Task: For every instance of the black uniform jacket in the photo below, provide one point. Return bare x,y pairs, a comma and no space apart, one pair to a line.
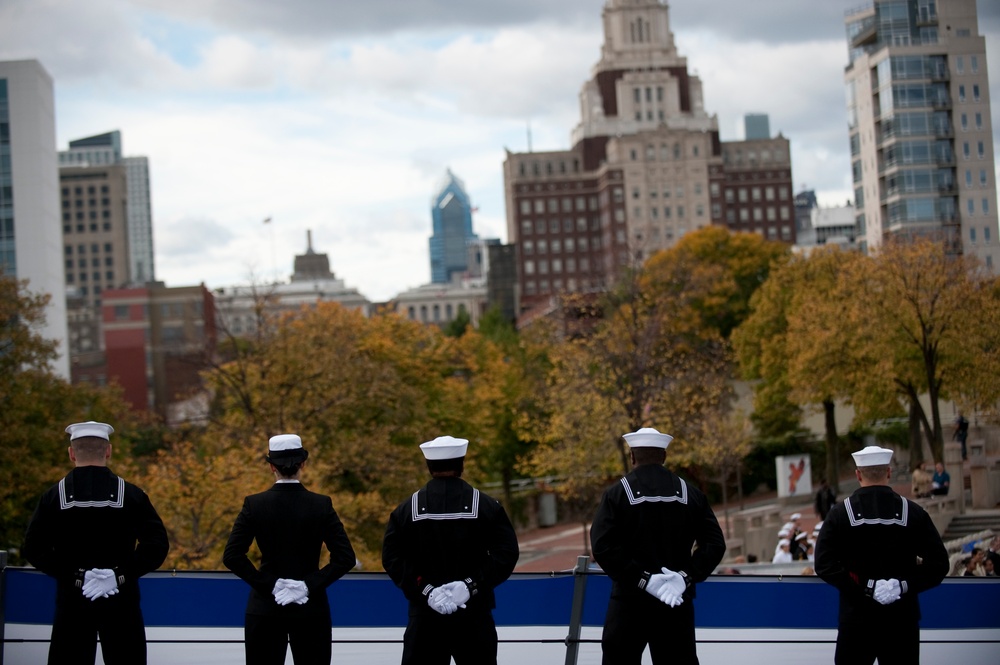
291,525
875,534
449,531
94,519
649,520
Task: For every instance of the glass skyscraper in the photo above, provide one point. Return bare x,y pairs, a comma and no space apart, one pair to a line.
451,212
919,124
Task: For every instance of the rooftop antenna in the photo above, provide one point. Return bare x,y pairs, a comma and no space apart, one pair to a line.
529,136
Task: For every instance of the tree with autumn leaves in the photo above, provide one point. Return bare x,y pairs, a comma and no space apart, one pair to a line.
877,332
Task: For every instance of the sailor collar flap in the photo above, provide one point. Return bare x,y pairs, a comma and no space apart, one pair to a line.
877,508
468,508
104,491
637,493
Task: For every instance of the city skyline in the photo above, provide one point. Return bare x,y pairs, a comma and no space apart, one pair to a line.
343,119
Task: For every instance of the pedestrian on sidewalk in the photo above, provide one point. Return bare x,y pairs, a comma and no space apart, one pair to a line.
644,536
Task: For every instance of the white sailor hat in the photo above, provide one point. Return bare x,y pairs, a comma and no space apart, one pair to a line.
647,437
783,533
819,525
784,542
788,525
444,447
90,428
286,448
872,456
801,536
795,516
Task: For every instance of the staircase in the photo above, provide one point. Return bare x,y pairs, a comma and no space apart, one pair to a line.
972,522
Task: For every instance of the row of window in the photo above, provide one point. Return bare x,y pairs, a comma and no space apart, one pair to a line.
980,149
80,215
94,263
536,169
758,214
679,191
756,194
555,205
973,64
108,276
90,202
569,245
540,226
665,151
975,93
983,178
965,121
970,206
571,264
433,314
986,234
79,190
654,212
531,287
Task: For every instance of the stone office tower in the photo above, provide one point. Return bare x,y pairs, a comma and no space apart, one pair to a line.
646,167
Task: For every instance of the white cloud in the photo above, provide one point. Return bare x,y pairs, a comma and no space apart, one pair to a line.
342,117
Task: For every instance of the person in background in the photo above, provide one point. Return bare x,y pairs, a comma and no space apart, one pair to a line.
961,433
825,498
941,482
96,534
783,554
447,547
288,605
920,484
656,537
878,593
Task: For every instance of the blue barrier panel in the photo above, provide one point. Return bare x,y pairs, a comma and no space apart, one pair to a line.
366,600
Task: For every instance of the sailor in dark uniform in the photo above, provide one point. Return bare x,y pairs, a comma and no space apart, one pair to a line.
880,550
642,536
96,535
447,546
288,605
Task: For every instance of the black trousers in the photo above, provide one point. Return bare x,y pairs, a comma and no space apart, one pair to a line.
269,636
632,623
469,636
860,641
78,622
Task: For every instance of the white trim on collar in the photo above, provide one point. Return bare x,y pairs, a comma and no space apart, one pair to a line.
858,520
635,497
65,503
471,512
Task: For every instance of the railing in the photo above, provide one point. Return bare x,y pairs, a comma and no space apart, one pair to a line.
541,618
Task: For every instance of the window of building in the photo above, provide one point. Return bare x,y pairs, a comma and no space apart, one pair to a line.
730,215
106,226
680,212
758,215
961,93
637,95
540,226
699,210
986,234
744,215
981,149
530,287
972,235
743,195
965,150
986,206
786,232
730,196
979,121
772,214
570,245
975,92
526,227
556,246
557,265
529,267
784,213
667,211
769,193
960,64
543,267
543,247
529,247
970,205
755,194
584,264
974,63
539,206
968,177
108,261
965,122
982,177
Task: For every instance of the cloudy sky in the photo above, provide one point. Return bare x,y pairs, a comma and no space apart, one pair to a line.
342,117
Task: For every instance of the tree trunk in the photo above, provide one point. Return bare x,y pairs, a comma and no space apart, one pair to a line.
832,447
916,440
725,498
739,482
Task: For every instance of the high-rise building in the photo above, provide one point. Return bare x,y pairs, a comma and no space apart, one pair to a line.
919,125
105,150
756,126
451,212
647,166
31,244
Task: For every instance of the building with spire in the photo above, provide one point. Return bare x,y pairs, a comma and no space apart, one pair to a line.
919,125
451,214
646,166
242,309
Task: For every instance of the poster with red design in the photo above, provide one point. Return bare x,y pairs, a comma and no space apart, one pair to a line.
794,475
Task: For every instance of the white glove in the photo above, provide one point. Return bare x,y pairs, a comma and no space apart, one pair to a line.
458,592
672,592
887,591
99,583
440,601
287,592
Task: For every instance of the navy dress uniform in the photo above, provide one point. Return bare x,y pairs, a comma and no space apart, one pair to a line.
288,605
879,550
655,536
447,547
96,534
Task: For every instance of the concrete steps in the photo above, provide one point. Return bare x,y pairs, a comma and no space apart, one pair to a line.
972,522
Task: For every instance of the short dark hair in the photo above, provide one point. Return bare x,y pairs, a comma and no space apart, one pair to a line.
874,473
455,465
288,469
89,447
648,455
